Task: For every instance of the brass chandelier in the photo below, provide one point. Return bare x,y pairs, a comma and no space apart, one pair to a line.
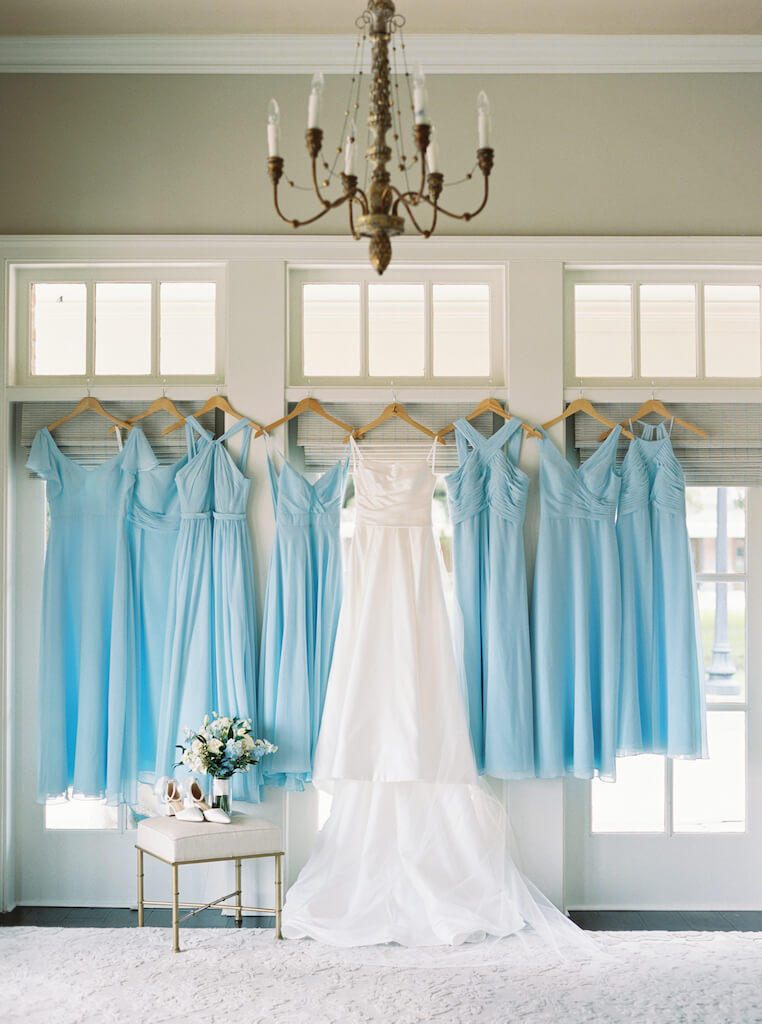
375,209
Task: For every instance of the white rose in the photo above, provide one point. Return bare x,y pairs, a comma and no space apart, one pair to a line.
247,743
214,746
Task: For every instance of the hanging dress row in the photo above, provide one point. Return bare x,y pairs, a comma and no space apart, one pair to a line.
148,616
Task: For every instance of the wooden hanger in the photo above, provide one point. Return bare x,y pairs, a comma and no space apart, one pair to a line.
584,405
95,406
215,402
491,405
393,409
158,405
305,405
654,405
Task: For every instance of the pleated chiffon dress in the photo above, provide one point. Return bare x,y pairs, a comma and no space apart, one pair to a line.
84,596
153,526
302,604
487,495
210,653
576,615
671,702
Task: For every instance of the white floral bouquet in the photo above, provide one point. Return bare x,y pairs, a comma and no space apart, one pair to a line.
222,746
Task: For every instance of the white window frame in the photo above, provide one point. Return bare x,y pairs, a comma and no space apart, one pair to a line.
428,276
23,276
634,276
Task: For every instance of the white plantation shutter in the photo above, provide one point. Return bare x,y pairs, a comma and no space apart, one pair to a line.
730,457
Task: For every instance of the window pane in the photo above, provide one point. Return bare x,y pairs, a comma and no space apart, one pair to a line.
461,330
603,330
396,332
732,327
635,802
188,327
710,796
667,330
331,330
59,328
723,634
703,505
122,328
80,814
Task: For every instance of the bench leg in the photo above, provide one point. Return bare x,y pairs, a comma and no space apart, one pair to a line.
140,888
238,901
175,909
278,896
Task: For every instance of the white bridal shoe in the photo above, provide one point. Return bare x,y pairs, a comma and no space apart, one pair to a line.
171,795
215,814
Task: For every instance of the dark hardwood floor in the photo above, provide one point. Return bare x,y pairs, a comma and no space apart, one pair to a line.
592,920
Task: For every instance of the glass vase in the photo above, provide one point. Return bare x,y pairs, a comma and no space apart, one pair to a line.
221,796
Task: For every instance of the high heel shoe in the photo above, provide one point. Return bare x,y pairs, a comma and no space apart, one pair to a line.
172,797
215,814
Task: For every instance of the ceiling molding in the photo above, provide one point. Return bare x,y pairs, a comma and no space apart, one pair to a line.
439,54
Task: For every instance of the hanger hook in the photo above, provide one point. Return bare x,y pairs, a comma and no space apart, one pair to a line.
88,387
653,391
164,387
579,382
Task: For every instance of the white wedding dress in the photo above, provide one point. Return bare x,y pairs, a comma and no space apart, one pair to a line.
416,849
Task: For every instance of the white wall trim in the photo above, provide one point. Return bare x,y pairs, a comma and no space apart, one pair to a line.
440,54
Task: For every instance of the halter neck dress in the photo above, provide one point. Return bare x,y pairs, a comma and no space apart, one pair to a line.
487,496
302,602
576,614
671,701
210,653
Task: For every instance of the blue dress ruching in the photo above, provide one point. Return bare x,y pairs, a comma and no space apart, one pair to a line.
302,604
576,615
84,599
487,496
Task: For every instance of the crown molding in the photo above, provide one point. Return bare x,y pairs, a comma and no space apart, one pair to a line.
439,54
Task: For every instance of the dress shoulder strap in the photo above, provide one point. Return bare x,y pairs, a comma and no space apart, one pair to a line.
356,453
272,473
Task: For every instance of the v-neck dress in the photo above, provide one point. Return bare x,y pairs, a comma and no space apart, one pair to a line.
487,495
84,600
576,615
302,603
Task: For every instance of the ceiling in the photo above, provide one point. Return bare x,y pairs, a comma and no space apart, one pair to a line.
220,17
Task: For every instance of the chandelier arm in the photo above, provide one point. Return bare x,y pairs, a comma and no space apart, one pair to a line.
403,198
301,223
326,203
462,216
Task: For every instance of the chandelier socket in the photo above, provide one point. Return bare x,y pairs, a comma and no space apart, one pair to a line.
485,158
436,184
422,135
314,137
275,168
349,183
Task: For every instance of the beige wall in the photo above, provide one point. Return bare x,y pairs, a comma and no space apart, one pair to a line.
587,154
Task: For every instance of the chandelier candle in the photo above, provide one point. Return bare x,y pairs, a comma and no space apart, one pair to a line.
376,210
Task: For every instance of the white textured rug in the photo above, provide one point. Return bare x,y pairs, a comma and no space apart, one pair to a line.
96,975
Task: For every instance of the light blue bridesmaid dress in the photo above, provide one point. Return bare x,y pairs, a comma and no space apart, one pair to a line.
137,658
636,680
84,596
677,725
487,495
304,590
576,615
210,646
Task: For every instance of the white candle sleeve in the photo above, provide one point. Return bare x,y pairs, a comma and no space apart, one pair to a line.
313,114
273,140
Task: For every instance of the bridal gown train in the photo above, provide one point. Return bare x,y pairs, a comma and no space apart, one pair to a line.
416,848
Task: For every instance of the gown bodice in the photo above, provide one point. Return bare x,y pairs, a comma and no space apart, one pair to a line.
665,474
297,502
393,493
590,492
486,476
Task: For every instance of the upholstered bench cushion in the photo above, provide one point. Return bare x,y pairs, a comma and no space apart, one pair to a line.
179,842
